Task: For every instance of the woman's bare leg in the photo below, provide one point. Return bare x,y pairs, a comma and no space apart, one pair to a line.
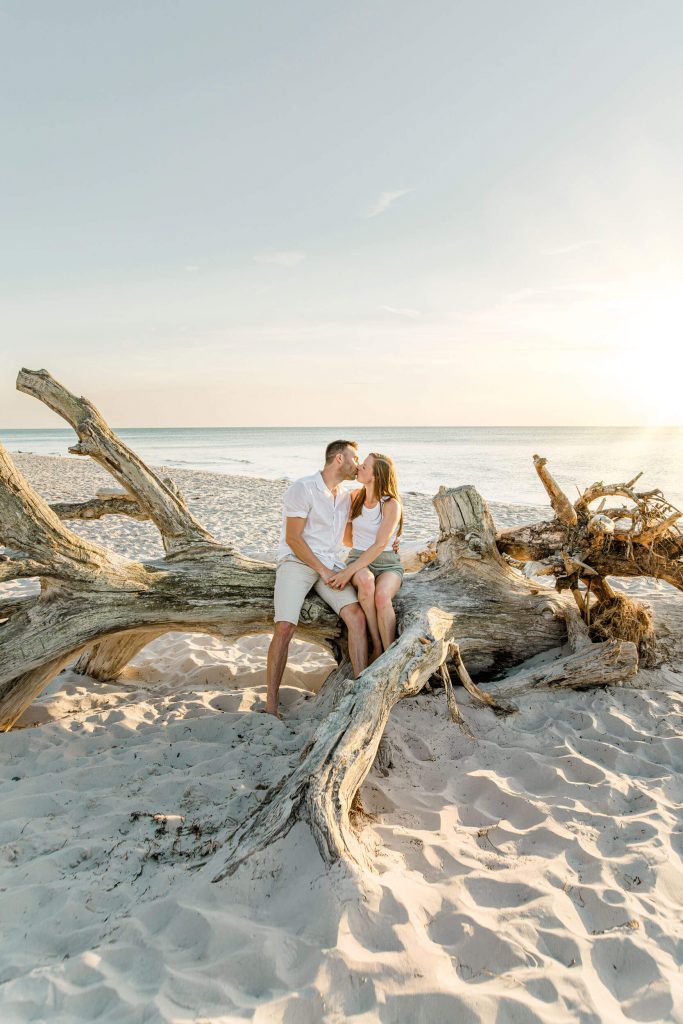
387,585
364,582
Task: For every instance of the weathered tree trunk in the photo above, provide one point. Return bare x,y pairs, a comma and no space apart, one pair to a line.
466,607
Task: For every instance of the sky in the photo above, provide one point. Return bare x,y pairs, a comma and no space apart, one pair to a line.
378,212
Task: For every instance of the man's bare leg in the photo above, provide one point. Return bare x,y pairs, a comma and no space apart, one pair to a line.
277,660
364,582
352,615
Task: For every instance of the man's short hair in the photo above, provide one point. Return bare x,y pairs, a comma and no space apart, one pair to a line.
336,447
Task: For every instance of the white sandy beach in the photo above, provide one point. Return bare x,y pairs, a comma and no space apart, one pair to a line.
534,874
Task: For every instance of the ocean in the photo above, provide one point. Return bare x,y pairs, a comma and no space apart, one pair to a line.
497,460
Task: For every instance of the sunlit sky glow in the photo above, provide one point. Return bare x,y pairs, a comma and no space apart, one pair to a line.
222,213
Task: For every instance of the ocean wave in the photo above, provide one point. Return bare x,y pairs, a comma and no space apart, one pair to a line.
197,462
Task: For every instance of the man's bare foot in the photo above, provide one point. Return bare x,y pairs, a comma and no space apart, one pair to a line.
375,653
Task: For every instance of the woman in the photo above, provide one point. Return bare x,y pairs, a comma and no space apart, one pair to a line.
375,521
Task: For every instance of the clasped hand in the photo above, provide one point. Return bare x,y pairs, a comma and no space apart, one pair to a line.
338,580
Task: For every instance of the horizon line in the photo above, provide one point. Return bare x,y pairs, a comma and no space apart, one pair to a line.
394,426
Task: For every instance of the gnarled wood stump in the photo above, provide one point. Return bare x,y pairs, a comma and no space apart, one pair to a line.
584,545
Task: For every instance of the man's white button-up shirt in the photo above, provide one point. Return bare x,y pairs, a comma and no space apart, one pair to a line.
326,516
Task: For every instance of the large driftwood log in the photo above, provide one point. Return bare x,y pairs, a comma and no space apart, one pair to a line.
466,607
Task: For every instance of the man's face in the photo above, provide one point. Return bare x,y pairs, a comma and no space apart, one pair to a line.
349,464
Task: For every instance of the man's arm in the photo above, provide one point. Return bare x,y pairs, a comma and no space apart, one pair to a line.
294,536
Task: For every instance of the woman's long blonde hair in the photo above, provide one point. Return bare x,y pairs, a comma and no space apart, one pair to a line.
386,486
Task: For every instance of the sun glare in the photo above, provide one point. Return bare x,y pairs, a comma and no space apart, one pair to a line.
650,359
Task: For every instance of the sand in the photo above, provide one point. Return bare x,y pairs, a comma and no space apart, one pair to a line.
531,875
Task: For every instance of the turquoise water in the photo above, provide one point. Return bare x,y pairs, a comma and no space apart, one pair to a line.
497,460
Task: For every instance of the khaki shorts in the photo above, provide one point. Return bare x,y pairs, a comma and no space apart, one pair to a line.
386,561
293,580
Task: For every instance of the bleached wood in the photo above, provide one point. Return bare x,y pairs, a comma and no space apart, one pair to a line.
653,533
479,695
416,554
96,508
453,709
601,490
606,664
578,633
38,544
106,659
562,506
501,615
178,528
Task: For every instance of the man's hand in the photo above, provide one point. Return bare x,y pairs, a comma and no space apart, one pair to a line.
395,546
340,579
326,575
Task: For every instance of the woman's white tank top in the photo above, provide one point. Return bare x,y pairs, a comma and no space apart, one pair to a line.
366,525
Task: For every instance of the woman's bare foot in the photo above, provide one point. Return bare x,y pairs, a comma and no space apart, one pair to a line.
375,653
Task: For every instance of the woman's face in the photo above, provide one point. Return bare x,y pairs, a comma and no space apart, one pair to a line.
366,471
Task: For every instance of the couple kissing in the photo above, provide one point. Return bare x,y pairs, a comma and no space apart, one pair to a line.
319,517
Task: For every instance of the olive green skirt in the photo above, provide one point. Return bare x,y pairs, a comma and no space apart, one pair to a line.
386,561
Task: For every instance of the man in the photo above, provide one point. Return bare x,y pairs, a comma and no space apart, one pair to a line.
316,510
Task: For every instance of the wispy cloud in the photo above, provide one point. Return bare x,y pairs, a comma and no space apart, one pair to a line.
282,258
191,268
574,247
412,314
386,199
547,294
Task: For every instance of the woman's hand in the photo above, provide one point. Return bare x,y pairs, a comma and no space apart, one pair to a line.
340,579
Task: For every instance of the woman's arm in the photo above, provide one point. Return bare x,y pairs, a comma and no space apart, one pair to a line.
390,518
348,534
